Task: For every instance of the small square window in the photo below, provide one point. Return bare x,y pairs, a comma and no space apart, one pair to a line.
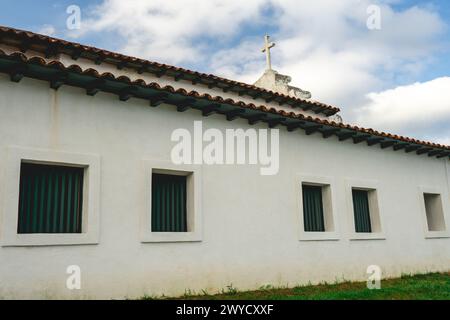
434,212
169,203
50,199
316,205
361,211
317,208
173,211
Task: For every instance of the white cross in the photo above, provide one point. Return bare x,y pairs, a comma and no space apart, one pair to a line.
267,46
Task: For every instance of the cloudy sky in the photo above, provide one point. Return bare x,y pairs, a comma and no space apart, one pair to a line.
395,78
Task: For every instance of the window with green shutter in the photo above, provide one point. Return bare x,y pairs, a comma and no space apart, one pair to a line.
313,217
50,199
361,211
169,203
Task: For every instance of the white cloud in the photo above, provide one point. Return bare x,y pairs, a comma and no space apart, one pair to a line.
324,45
443,140
47,29
169,30
417,108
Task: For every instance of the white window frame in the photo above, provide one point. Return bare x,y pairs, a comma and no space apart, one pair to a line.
329,209
445,205
11,163
194,203
375,208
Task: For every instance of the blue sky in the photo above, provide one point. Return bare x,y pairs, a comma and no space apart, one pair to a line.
390,79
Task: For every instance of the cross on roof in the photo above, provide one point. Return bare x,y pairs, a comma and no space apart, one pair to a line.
267,46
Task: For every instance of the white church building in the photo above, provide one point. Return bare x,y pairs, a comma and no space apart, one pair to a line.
93,205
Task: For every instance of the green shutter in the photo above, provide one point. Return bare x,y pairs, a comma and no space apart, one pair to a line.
50,199
168,203
361,211
313,209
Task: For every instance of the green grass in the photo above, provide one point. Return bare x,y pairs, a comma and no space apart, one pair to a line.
433,286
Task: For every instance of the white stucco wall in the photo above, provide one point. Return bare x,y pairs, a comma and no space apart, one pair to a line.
250,222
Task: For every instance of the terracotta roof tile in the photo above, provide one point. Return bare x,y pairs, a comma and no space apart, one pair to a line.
208,78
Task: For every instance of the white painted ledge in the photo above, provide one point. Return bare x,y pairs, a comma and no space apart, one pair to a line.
167,237
437,234
358,236
41,240
319,236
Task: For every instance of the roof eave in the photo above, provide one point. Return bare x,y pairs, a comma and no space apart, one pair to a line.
50,47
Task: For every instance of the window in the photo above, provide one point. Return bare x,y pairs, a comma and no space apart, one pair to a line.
316,206
361,211
434,212
313,209
169,212
173,211
364,210
51,199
